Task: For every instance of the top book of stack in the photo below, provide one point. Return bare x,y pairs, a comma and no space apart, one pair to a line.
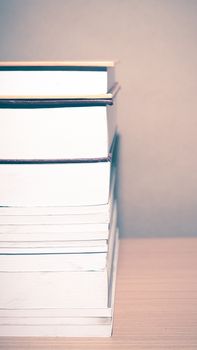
57,80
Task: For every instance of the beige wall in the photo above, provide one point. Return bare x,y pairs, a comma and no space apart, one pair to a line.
156,43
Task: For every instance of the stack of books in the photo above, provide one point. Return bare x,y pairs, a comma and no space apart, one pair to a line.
58,212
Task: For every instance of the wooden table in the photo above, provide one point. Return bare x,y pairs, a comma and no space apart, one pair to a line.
156,300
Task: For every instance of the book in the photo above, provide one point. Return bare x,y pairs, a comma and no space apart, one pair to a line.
61,330
58,184
51,261
56,79
57,313
79,132
48,232
20,216
75,212
54,219
53,247
54,289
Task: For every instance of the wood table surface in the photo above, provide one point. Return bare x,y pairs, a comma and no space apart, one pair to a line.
156,300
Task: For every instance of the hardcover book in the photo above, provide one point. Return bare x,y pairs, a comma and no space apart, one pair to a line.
56,79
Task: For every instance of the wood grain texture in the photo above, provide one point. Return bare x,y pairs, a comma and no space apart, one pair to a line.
156,300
